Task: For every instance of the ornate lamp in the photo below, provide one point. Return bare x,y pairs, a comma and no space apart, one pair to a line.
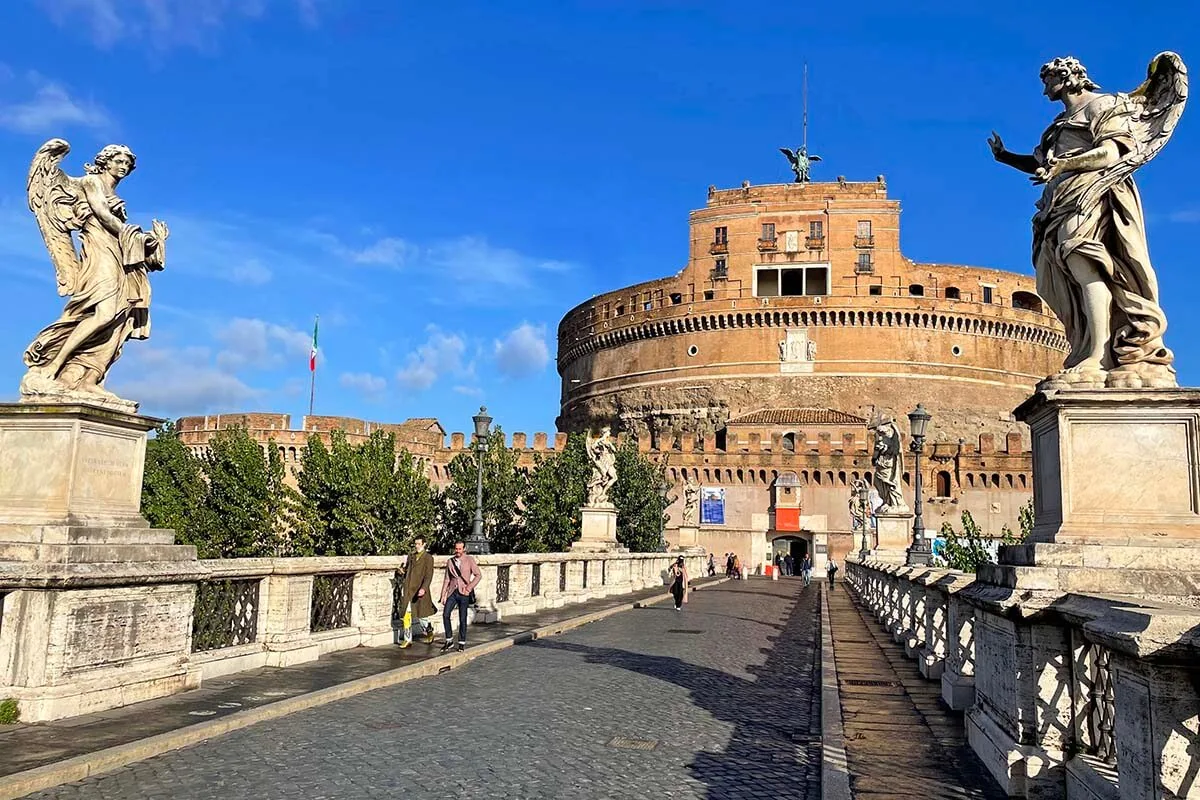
477,543
920,553
862,495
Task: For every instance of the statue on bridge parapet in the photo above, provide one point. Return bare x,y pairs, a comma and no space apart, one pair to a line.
107,279
691,503
1089,238
603,454
887,461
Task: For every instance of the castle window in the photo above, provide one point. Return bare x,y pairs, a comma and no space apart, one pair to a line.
676,298
721,235
1027,301
720,270
768,232
952,293
864,227
916,290
791,282
862,234
987,294
875,290
620,310
863,264
816,229
709,295
789,442
943,484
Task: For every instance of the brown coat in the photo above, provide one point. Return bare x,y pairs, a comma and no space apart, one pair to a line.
417,576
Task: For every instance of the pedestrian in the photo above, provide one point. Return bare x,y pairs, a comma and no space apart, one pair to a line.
806,568
789,564
778,564
737,567
831,570
679,583
462,576
417,598
712,565
729,559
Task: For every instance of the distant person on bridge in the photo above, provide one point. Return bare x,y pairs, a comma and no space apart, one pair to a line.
806,570
831,569
789,565
679,583
462,576
729,565
418,599
712,565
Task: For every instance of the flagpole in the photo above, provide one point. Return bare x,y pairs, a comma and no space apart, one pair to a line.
312,368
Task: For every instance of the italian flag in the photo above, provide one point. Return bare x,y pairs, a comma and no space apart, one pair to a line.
312,354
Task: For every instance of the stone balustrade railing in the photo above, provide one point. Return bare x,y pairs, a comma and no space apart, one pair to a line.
142,630
1079,697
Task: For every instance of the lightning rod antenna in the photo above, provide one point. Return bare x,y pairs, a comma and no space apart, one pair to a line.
806,106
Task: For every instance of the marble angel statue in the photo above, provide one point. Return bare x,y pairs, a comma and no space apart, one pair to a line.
603,454
106,278
1089,232
691,502
887,459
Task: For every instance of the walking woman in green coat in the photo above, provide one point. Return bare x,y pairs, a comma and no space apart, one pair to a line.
417,598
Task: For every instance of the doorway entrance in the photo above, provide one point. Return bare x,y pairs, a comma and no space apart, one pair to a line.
795,546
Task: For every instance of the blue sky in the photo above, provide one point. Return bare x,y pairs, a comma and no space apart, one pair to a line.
440,182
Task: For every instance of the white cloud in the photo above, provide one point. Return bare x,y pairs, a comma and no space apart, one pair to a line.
469,391
50,108
441,354
388,252
371,386
179,381
257,344
250,272
1187,215
162,24
523,352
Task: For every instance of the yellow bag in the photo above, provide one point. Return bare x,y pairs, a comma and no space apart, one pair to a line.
407,619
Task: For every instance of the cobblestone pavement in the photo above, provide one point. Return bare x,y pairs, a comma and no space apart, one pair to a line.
724,688
901,740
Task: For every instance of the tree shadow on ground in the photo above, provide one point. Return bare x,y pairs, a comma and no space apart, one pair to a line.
774,749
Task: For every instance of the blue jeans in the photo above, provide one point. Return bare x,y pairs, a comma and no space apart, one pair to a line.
456,599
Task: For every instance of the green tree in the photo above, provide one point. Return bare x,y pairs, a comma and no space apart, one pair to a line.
967,551
504,486
640,500
173,486
557,491
361,499
244,506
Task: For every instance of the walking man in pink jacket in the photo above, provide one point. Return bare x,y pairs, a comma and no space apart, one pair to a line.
462,575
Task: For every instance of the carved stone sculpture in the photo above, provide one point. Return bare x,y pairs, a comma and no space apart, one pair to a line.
603,453
801,162
107,281
888,463
691,502
1089,237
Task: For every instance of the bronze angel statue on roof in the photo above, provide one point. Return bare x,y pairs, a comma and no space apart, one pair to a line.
800,161
106,278
1089,233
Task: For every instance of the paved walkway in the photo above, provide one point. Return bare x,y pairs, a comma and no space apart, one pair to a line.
900,740
715,701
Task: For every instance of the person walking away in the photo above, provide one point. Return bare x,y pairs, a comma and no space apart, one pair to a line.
737,567
778,564
831,570
418,599
679,583
788,565
462,576
712,565
729,565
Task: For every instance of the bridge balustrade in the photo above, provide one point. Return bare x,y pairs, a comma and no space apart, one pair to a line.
1076,696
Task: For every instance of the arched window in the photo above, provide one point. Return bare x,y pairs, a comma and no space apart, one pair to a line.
916,290
952,293
943,484
1027,301
789,442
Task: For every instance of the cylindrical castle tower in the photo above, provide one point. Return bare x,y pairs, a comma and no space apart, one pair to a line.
797,296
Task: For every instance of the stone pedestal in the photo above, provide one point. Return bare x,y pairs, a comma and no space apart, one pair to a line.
99,608
689,540
599,531
1115,467
893,536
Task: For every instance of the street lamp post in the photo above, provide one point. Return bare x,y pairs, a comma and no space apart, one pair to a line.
862,495
478,544
920,553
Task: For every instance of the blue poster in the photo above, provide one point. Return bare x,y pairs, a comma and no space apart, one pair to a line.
712,506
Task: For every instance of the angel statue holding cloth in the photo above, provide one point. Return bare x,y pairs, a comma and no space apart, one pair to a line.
1089,231
106,278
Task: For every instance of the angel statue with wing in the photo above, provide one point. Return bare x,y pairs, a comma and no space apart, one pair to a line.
1089,232
106,278
800,161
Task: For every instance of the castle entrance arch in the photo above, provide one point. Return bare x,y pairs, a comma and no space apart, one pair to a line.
798,545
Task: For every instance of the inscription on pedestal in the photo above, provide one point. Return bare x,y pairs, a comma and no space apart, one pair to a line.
110,629
995,670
